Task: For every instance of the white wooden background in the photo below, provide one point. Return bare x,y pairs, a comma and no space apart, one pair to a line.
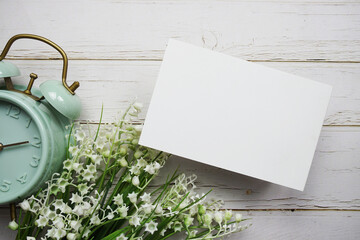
115,49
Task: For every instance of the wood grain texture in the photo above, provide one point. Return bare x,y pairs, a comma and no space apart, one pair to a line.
256,30
297,225
116,83
335,166
115,47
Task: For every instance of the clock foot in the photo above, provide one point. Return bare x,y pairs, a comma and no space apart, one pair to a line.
12,211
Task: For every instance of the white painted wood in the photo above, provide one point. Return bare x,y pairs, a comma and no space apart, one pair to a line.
259,30
336,165
293,36
332,182
298,225
316,225
115,83
5,232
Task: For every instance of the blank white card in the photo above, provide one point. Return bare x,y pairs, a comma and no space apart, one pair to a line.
235,115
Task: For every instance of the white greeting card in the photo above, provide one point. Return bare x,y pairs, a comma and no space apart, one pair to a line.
236,115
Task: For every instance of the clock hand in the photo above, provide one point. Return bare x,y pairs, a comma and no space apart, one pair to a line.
2,146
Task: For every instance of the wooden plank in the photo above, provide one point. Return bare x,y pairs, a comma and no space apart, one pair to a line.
115,83
315,225
302,225
332,182
264,30
5,232
257,30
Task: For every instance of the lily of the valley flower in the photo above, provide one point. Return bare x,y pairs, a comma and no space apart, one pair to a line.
133,197
151,227
103,191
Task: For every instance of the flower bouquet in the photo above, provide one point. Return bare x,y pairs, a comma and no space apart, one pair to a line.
103,192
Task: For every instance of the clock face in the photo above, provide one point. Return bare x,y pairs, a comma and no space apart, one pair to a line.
20,162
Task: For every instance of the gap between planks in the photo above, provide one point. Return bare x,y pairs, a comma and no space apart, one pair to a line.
160,60
267,209
142,122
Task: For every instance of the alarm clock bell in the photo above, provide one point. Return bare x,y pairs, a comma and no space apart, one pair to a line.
60,96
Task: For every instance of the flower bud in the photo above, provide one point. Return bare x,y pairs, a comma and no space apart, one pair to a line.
159,209
106,153
110,215
135,181
138,106
138,128
129,128
201,209
123,162
13,225
218,217
130,137
198,218
127,178
228,215
138,154
71,236
208,219
238,217
123,150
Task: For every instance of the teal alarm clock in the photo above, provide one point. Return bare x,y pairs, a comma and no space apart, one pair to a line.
33,127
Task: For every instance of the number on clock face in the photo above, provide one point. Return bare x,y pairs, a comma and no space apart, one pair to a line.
13,111
17,163
22,178
5,186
